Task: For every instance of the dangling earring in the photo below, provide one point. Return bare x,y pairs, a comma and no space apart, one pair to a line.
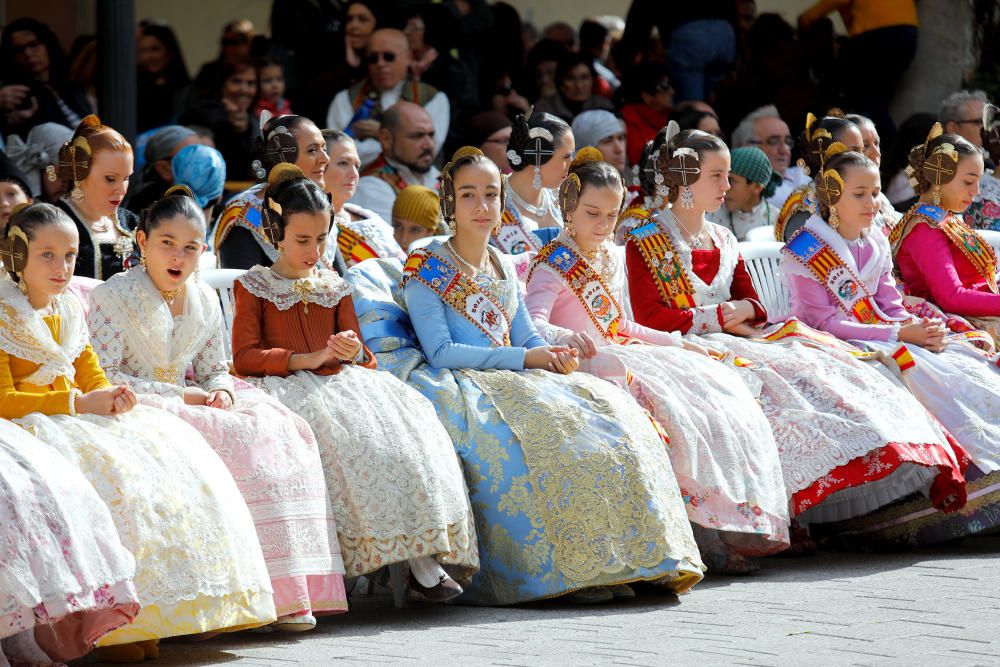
834,220
76,194
452,225
568,226
281,249
687,198
537,181
142,259
50,173
197,274
936,195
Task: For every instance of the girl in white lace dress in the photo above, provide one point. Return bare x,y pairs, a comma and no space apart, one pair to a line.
148,326
396,484
176,507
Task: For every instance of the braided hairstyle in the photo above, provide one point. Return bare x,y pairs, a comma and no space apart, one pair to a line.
542,128
462,158
178,200
24,221
676,158
818,136
934,162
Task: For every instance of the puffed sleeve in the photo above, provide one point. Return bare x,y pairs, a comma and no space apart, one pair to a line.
427,314
930,250
250,358
542,291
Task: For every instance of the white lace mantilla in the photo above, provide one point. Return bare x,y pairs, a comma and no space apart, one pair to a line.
324,288
24,334
719,290
141,343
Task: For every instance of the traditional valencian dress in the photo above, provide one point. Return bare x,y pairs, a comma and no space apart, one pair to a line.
567,474
844,453
176,507
240,243
941,259
63,564
846,288
98,259
721,446
518,231
394,479
801,205
270,451
639,213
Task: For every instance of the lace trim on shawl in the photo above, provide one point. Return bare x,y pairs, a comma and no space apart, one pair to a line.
24,334
324,288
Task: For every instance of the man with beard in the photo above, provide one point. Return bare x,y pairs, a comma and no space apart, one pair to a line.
408,150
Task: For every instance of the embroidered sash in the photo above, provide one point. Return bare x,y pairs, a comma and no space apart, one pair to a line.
664,263
802,199
380,168
512,236
975,248
847,289
244,211
353,245
461,293
581,278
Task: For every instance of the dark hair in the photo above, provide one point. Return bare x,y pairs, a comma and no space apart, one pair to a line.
592,36
289,188
177,200
841,162
520,138
917,156
689,118
697,140
229,68
910,132
462,158
176,74
58,63
336,136
642,78
835,125
545,50
598,174
571,61
275,146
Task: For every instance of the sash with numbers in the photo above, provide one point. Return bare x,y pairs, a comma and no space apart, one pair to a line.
975,248
664,263
847,289
512,236
601,306
461,293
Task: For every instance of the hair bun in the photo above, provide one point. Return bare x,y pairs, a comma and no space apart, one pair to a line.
90,120
466,151
585,155
178,191
282,172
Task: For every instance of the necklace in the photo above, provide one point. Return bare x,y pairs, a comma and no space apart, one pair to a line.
100,226
599,260
169,295
539,212
476,270
694,240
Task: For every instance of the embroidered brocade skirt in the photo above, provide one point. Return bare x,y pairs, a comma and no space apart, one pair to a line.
62,563
199,566
273,457
393,477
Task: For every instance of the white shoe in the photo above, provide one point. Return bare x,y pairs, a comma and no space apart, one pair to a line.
298,623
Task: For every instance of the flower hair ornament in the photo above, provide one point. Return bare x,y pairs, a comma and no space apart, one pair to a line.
271,212
569,189
275,146
830,184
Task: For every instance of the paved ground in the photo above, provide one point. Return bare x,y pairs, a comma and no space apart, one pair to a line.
932,607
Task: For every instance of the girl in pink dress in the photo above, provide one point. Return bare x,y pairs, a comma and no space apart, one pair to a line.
938,257
721,446
148,326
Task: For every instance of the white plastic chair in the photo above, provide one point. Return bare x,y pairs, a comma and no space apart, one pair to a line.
760,234
762,261
221,280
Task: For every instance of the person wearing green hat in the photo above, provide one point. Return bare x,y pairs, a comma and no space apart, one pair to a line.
752,180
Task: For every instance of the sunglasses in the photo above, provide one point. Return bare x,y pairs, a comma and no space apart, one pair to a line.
375,56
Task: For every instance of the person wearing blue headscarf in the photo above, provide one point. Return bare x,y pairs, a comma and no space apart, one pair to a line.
203,169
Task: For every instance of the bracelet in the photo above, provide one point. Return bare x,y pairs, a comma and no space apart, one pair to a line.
73,393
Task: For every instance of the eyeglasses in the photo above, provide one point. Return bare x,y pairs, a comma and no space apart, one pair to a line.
375,56
965,121
774,141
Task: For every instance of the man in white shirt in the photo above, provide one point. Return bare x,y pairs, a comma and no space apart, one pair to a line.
961,113
764,129
407,158
358,110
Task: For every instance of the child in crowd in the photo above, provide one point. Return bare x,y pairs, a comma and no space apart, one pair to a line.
751,181
416,214
271,89
14,189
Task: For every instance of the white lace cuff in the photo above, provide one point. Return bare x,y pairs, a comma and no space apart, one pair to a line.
73,393
894,333
705,319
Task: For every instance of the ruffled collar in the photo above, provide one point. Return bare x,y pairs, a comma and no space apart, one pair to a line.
323,288
25,335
